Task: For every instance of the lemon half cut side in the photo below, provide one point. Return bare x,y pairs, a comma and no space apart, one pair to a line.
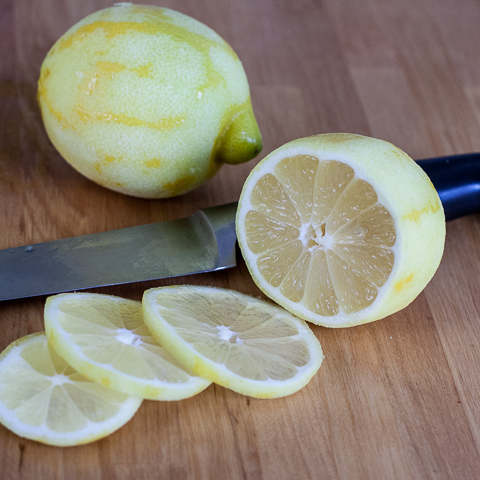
340,229
105,338
237,341
42,398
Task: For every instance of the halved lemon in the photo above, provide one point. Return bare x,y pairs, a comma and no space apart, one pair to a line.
42,398
105,338
237,341
340,229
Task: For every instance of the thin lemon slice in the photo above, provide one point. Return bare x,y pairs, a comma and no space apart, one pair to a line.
340,229
105,339
42,398
237,341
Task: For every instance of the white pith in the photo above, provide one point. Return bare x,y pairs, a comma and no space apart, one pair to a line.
315,238
225,333
128,337
60,379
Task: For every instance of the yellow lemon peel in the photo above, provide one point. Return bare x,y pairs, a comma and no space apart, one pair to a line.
141,83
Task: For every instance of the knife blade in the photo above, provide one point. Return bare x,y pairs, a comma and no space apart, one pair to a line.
202,242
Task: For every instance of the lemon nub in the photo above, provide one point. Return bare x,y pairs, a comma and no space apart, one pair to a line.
320,235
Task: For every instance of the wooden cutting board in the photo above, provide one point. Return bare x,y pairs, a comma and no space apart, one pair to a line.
395,399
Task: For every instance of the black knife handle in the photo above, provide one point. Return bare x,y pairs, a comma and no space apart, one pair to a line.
457,180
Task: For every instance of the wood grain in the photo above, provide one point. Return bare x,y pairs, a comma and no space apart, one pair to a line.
395,399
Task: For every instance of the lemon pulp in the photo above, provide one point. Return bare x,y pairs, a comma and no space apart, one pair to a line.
320,235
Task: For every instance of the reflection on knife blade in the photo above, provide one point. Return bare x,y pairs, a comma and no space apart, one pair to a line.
203,242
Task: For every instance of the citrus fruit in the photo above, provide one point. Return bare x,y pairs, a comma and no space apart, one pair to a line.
146,101
242,343
42,398
340,229
105,338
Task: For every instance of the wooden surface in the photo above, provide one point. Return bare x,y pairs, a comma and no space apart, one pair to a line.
395,399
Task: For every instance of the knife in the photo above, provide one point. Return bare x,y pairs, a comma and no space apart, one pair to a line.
203,242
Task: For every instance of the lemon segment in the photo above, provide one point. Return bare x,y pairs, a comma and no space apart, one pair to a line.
234,340
44,399
328,227
147,101
105,339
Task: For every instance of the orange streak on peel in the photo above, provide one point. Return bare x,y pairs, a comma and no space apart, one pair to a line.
179,186
162,124
153,163
415,214
401,284
113,29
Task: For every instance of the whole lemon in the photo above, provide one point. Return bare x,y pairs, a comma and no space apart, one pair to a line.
147,101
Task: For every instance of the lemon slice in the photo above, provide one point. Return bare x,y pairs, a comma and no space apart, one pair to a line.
42,398
237,341
105,339
340,229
